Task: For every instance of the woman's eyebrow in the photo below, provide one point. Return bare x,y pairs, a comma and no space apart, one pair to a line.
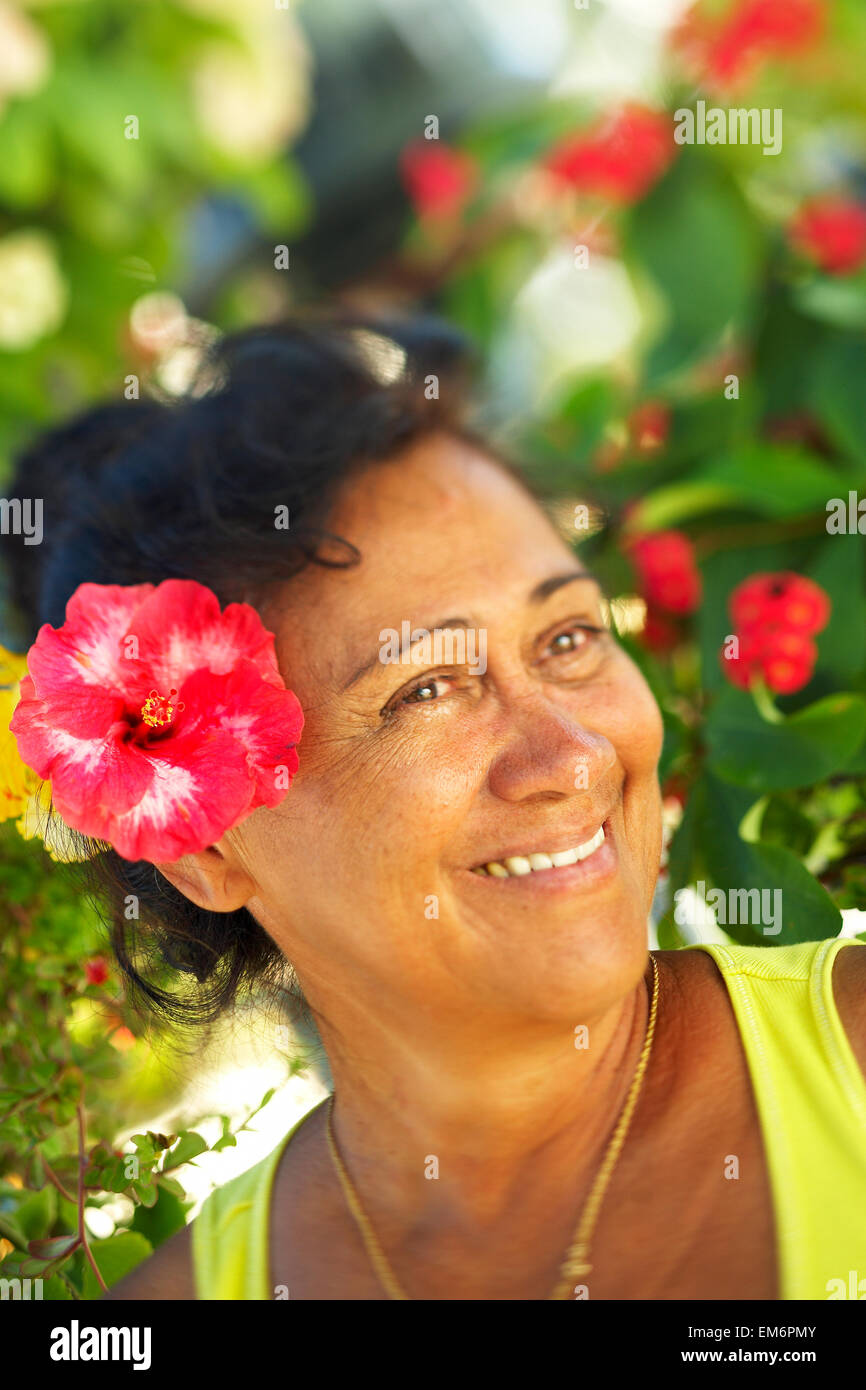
536,595
550,586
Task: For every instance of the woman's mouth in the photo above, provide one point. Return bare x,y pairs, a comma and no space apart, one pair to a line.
586,862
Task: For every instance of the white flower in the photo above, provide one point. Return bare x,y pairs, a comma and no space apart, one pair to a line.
252,97
566,321
25,55
33,292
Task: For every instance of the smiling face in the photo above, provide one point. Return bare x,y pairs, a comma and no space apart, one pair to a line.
416,772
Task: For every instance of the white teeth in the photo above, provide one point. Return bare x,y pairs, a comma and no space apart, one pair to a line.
518,865
540,861
584,851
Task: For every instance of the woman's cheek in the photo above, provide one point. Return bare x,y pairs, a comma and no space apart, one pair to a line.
639,729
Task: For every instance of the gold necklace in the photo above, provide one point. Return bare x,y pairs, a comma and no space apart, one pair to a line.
576,1264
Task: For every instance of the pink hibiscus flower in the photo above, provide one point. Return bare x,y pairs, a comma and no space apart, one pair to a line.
160,720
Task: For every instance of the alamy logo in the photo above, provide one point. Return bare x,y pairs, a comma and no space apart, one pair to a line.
736,125
846,518
22,517
16,1288
855,1289
76,1343
755,906
441,647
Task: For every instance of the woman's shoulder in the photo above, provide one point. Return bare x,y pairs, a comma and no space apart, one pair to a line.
165,1275
832,974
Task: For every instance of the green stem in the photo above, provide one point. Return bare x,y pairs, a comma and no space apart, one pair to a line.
53,1178
82,1165
764,701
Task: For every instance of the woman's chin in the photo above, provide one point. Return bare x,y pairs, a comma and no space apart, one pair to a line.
555,968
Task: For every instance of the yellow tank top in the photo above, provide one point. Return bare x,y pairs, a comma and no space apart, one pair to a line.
811,1098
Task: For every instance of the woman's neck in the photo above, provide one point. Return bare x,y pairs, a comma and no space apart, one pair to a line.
456,1129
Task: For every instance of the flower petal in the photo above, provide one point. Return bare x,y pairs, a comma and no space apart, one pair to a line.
180,629
188,804
266,722
88,649
104,768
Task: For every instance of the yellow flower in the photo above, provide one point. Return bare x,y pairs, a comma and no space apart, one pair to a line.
18,783
22,793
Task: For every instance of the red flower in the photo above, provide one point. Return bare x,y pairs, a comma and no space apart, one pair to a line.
669,576
783,660
832,232
96,971
659,634
785,601
620,158
160,721
649,426
758,30
438,179
777,616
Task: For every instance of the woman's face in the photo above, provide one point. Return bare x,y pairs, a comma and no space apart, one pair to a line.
527,738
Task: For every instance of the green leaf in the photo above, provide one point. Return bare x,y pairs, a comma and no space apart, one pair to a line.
227,1139
26,156
700,245
806,910
839,570
53,1249
775,480
836,393
803,749
670,938
678,501
189,1146
167,1215
146,1192
37,1213
171,1185
56,1290
839,302
115,1257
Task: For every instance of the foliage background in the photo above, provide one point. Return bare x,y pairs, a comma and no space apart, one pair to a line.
119,257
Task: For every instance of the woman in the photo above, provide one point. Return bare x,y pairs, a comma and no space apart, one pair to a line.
527,1104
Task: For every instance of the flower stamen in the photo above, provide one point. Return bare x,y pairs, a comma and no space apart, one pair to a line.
157,711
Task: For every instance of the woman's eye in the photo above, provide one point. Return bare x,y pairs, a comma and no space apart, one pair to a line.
575,639
428,690
423,692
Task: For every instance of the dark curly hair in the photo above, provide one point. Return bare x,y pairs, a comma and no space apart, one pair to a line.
144,490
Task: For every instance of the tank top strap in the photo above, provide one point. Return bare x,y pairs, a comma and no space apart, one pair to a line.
230,1245
811,1098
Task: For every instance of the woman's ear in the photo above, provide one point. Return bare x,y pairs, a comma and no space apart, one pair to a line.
212,879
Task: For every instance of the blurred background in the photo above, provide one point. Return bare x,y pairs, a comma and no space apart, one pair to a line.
672,340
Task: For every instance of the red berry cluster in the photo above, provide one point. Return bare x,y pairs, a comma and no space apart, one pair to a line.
669,582
729,52
831,231
667,571
620,158
776,617
96,970
438,178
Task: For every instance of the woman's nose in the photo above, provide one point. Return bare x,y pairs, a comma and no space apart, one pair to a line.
548,752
